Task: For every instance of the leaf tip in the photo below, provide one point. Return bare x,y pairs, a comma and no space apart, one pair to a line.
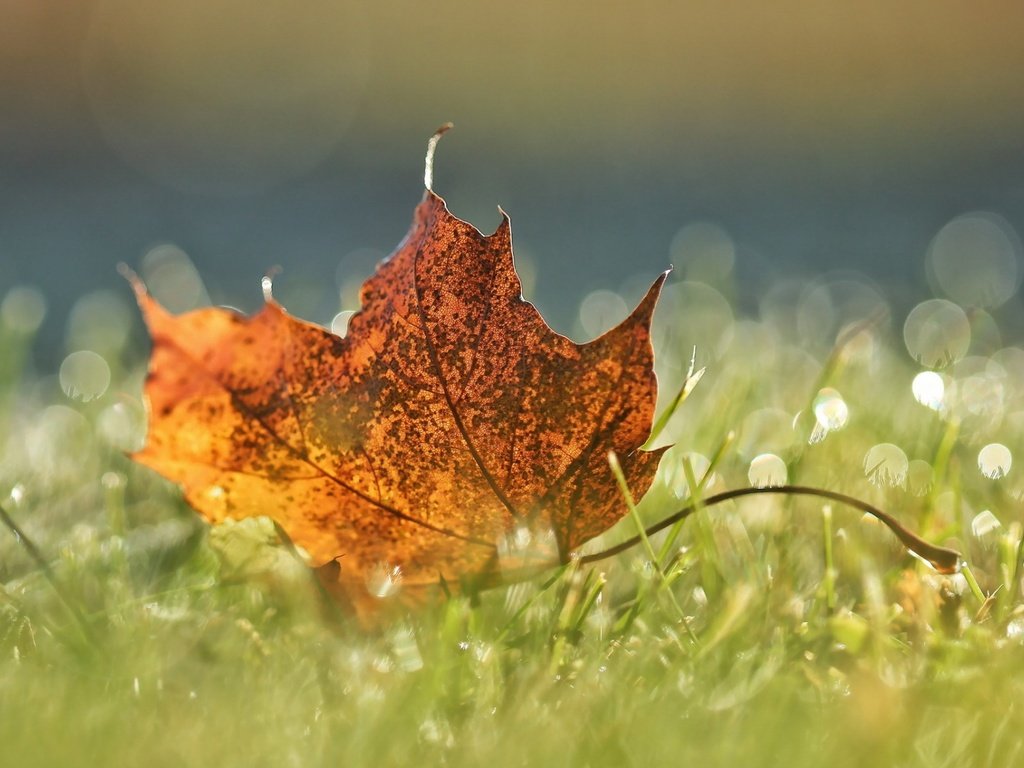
150,307
267,285
645,309
428,168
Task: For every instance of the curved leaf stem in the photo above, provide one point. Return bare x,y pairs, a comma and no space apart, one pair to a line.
941,559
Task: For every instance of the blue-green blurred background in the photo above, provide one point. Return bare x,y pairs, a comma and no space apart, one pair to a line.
747,143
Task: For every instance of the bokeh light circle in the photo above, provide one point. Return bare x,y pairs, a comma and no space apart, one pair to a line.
886,464
224,98
84,375
830,409
100,320
173,279
23,310
704,251
692,315
920,476
929,389
975,260
937,333
767,471
600,311
995,460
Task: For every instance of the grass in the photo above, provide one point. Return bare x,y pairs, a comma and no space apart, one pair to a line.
763,631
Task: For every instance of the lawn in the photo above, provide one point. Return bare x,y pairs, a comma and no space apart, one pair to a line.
762,631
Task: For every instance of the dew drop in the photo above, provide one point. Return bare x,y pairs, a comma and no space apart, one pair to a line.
994,461
84,376
767,471
886,464
929,389
830,410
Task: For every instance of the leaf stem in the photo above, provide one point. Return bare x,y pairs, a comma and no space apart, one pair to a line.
941,559
428,165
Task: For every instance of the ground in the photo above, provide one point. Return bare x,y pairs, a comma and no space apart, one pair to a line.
765,631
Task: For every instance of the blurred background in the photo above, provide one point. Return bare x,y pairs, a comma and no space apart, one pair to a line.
783,155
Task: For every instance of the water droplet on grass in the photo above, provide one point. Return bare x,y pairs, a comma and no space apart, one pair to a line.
994,460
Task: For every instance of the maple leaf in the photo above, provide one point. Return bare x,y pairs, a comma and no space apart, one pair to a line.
449,417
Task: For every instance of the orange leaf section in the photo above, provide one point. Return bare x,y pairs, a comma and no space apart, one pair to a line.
448,418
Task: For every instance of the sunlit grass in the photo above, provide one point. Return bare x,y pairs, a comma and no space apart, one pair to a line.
766,631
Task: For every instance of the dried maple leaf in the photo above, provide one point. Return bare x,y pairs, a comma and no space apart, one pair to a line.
448,417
